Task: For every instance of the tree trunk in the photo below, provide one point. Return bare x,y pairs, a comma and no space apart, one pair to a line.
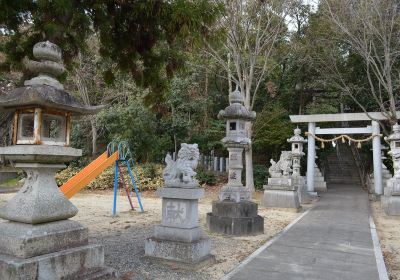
249,160
94,137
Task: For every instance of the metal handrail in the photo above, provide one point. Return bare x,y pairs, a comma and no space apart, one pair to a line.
364,176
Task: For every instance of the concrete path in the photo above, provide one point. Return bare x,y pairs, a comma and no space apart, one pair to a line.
333,241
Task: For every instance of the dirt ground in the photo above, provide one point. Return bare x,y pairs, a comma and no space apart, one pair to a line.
123,236
388,228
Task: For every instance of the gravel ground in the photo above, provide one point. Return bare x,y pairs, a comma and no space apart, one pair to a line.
388,228
123,236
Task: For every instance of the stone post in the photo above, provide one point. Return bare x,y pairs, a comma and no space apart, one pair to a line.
179,238
226,165
310,158
221,164
216,162
376,145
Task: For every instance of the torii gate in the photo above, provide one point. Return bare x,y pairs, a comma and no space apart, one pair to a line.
374,129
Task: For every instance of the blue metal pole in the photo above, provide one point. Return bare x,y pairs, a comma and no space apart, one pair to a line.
116,175
134,185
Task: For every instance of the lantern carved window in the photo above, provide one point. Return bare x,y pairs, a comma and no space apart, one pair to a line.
37,126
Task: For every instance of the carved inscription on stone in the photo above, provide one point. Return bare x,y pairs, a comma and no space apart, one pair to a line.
233,156
175,212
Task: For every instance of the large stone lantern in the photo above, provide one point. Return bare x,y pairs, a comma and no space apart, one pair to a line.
38,240
297,142
235,213
391,196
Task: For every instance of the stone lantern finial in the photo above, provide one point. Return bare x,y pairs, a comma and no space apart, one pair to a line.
236,97
49,66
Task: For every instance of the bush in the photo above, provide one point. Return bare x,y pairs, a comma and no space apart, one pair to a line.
260,176
206,177
150,177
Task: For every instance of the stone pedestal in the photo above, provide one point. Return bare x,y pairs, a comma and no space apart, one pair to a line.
179,237
386,176
319,180
235,218
301,185
391,197
281,193
57,250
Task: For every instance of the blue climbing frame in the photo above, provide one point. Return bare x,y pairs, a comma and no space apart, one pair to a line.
125,158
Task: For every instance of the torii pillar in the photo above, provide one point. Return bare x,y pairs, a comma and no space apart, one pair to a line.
377,158
310,157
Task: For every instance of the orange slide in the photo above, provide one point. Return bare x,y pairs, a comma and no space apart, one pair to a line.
87,174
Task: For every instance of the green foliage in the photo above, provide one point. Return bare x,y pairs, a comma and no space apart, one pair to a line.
260,173
206,177
271,128
135,123
143,38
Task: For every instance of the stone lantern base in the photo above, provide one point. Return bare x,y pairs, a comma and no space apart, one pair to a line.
179,238
391,197
235,218
57,250
39,241
281,193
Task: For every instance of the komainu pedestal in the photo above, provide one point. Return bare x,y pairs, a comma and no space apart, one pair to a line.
179,237
281,193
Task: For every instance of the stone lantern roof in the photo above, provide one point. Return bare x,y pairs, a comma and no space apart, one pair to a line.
297,138
45,90
236,109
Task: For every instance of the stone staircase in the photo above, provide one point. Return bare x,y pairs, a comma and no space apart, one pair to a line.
341,168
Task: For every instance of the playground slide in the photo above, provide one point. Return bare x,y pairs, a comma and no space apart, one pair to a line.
87,174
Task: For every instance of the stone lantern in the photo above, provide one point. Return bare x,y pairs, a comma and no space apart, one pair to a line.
235,213
38,240
297,142
391,195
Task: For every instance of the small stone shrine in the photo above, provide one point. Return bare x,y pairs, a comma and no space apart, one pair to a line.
235,213
39,241
179,237
391,196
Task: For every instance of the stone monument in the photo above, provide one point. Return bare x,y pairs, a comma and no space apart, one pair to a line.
179,237
391,195
234,213
38,241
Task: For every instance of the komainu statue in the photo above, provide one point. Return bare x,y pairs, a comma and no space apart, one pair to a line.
282,167
180,173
